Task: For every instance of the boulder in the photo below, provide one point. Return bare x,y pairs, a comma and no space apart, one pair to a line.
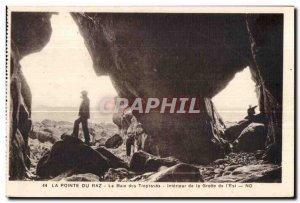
122,119
114,162
232,132
72,154
156,164
252,138
144,162
32,134
177,173
70,139
138,160
43,136
220,161
49,130
114,142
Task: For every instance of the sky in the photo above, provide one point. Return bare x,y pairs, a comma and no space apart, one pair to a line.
233,101
58,73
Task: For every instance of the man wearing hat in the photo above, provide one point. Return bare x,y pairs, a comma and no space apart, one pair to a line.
84,115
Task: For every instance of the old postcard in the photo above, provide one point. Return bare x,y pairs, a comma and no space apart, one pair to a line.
150,102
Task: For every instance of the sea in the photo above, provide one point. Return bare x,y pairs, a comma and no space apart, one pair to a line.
69,114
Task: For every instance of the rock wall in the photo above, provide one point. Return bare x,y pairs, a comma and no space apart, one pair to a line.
266,36
30,32
170,55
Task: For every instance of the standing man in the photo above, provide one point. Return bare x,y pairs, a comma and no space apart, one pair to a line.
84,115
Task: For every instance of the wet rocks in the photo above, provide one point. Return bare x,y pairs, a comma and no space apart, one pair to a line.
232,132
114,142
177,173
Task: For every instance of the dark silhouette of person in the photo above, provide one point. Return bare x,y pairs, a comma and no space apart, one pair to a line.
251,111
84,115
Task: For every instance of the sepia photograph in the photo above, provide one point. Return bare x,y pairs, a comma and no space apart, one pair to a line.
152,98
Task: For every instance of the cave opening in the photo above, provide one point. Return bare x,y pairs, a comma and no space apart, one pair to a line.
59,72
63,69
232,102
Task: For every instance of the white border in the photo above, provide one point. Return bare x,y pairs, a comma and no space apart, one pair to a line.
259,189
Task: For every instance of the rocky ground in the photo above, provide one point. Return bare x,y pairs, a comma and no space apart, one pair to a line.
235,167
47,132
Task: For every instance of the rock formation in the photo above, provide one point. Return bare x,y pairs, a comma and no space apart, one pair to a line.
266,36
163,55
30,32
71,154
175,55
114,142
145,162
252,138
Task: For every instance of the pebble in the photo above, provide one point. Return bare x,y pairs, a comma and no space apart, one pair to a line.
220,161
218,170
231,168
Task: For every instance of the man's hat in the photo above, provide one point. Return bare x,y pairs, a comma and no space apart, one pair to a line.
84,92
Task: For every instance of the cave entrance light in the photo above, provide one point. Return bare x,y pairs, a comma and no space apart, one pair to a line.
59,72
232,102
